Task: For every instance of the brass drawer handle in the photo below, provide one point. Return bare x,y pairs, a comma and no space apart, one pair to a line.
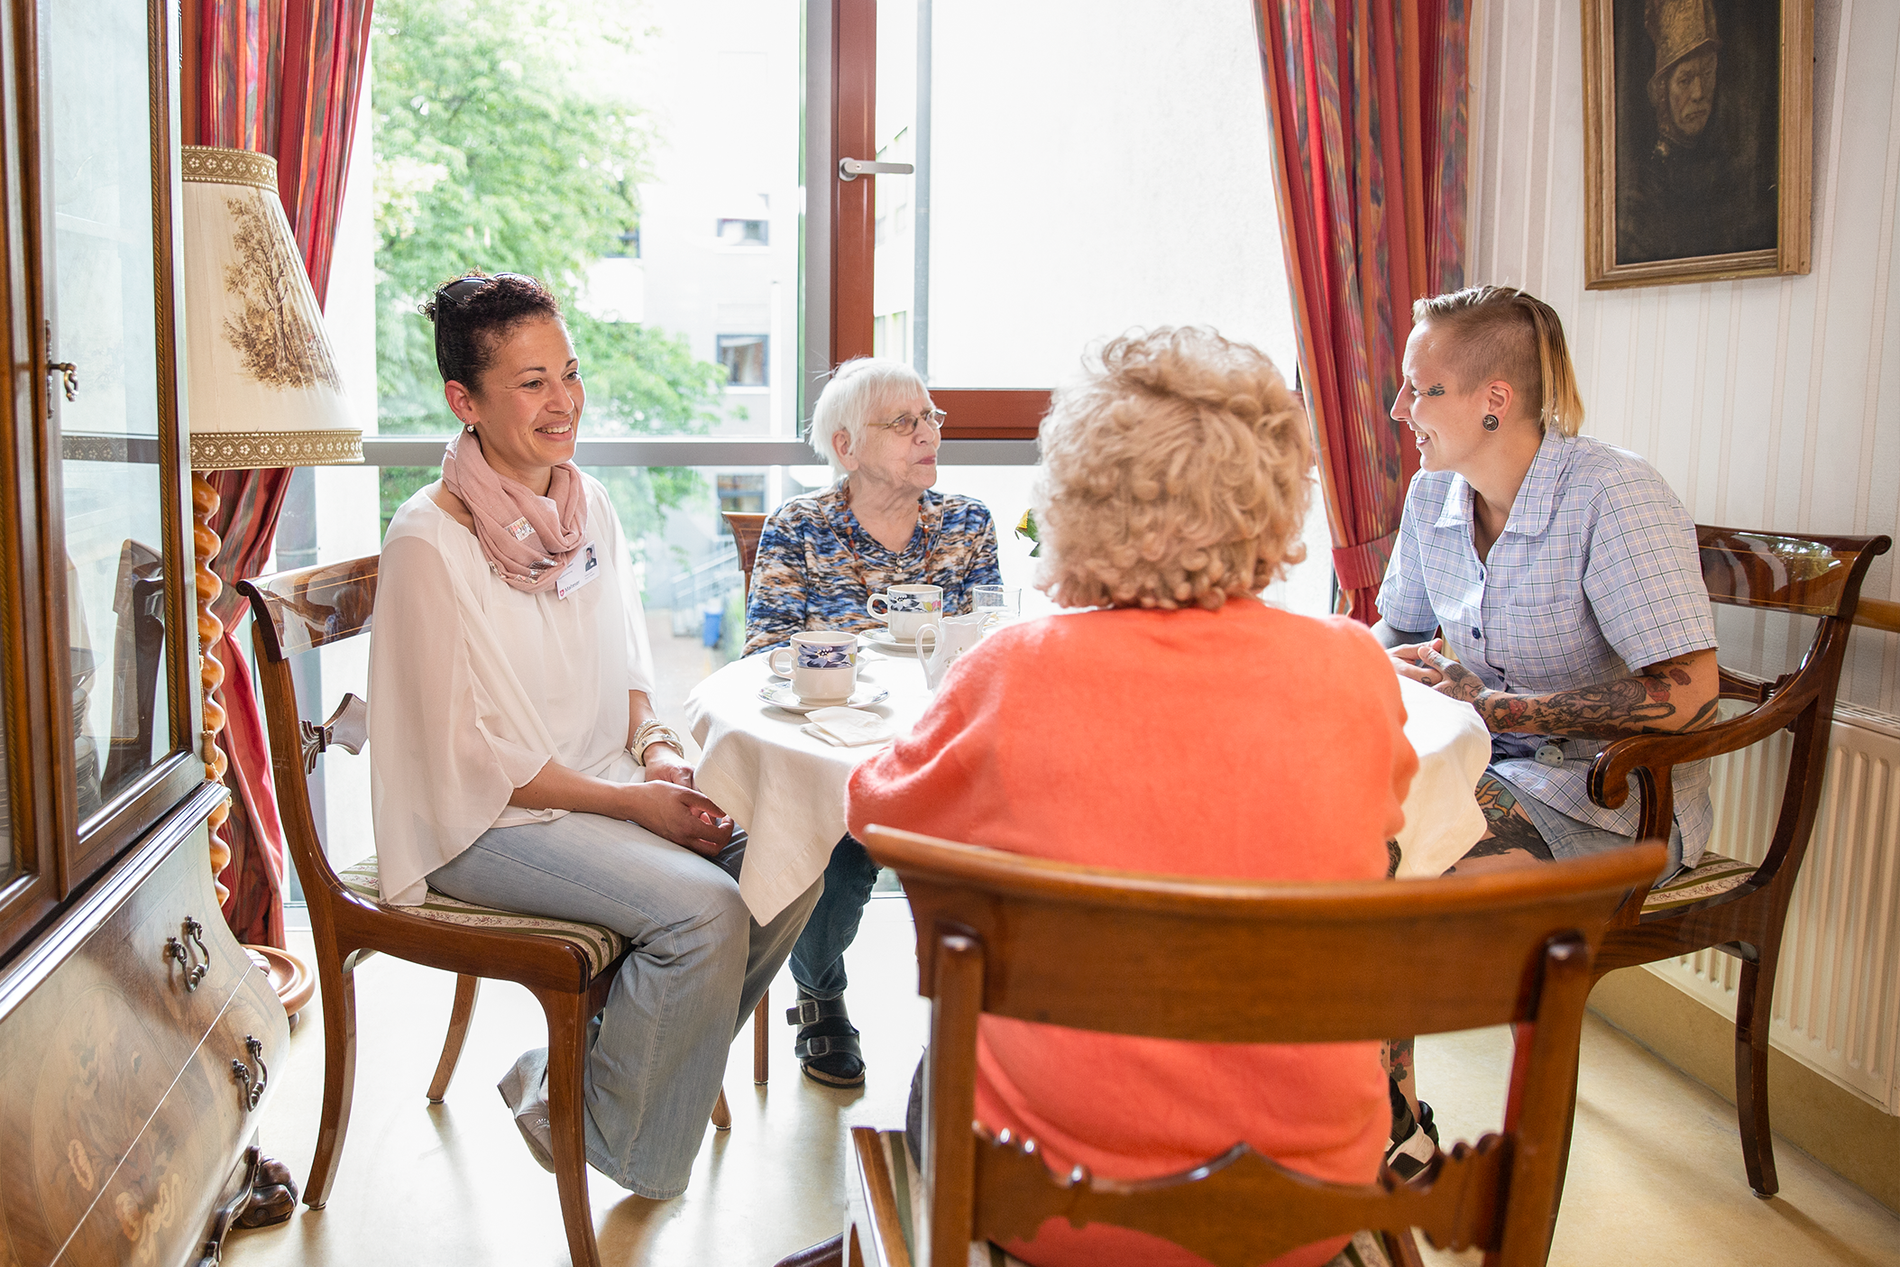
179,953
251,1087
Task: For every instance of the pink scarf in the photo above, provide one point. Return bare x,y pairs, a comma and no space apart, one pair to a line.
528,539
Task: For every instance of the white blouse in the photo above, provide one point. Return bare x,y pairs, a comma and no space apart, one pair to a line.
474,686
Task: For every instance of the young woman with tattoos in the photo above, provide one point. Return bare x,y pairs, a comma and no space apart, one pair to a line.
1561,575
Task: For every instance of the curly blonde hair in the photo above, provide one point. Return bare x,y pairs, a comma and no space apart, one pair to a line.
1174,475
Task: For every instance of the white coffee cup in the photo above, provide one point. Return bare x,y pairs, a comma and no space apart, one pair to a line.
823,666
907,608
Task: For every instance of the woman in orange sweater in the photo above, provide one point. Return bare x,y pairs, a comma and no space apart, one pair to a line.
1184,727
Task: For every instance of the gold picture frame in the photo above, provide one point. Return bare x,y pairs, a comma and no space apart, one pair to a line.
1688,177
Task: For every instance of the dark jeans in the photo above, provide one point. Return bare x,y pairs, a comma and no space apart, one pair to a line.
818,957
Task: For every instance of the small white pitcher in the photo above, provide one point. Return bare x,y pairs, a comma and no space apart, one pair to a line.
950,637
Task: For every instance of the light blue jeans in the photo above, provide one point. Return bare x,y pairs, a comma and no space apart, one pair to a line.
698,966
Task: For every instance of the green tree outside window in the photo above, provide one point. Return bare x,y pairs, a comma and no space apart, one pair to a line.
495,154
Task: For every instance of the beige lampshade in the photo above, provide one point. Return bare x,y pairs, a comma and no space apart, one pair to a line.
264,388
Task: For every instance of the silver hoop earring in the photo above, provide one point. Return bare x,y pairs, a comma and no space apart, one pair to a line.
1490,422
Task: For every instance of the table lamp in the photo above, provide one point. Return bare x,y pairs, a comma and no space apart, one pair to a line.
263,386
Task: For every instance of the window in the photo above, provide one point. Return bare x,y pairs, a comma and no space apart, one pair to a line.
741,493
743,355
890,336
742,232
999,311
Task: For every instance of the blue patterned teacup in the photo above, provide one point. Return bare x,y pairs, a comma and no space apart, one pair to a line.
823,666
907,608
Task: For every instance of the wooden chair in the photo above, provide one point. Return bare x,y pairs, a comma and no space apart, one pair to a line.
1209,960
569,966
1736,906
746,531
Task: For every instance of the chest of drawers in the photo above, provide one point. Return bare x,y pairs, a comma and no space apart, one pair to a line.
136,1043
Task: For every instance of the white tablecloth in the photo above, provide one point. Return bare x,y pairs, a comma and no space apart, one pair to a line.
786,788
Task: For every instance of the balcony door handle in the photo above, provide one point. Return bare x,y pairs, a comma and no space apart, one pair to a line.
852,168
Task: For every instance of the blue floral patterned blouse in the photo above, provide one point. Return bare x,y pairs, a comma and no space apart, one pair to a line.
817,566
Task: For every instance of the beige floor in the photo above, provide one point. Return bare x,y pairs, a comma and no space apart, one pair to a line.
1656,1175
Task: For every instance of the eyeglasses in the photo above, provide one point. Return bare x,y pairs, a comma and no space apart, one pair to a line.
905,425
463,289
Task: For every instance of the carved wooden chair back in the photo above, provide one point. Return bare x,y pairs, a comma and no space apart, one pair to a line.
746,531
1735,906
1208,960
569,968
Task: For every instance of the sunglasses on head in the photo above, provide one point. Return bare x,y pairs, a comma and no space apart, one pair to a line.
463,289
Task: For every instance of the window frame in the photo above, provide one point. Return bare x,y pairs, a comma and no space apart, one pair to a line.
841,228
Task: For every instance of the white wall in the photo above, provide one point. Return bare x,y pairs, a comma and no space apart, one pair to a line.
1772,402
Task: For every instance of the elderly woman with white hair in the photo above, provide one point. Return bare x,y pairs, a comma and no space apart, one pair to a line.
820,559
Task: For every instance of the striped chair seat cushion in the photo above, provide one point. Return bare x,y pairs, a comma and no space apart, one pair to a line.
601,945
1710,877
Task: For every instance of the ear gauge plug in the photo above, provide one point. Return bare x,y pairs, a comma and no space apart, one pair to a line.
1490,422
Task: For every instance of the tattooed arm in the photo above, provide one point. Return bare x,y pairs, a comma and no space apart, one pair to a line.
1671,695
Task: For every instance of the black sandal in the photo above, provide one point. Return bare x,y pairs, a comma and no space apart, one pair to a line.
827,1046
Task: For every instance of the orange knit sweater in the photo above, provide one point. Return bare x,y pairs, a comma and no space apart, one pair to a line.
1243,742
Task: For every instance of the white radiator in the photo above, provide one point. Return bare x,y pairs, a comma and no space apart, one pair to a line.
1837,992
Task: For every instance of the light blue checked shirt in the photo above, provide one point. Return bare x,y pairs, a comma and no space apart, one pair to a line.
1595,576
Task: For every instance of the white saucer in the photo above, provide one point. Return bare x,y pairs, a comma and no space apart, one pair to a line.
781,695
883,641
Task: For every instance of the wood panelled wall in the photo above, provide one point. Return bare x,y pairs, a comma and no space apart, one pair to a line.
1773,402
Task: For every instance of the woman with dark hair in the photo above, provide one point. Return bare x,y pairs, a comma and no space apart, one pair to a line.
515,758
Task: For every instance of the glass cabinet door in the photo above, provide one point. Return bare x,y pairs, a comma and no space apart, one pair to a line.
105,293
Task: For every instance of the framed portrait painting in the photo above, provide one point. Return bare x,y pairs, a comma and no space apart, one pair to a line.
1698,136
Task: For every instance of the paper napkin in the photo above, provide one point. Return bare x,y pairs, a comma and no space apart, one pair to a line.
847,727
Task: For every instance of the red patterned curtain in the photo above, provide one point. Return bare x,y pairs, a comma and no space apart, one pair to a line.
280,77
1367,100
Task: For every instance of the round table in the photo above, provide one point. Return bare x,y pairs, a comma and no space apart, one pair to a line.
787,788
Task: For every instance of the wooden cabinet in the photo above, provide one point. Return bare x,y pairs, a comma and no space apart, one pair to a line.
122,1033
98,644
136,1040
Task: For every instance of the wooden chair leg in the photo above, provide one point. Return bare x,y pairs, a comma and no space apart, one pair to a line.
338,985
1754,1004
829,1253
1402,1249
567,1054
721,1115
466,990
762,1039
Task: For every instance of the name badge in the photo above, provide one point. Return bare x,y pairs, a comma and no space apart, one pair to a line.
584,568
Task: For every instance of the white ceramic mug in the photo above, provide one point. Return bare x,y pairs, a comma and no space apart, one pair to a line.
823,666
907,608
